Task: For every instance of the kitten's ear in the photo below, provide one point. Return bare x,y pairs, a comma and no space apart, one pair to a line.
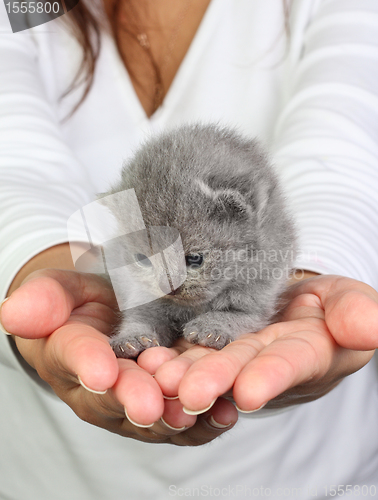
225,204
231,205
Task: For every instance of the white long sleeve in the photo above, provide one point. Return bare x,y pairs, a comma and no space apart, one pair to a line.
327,139
41,181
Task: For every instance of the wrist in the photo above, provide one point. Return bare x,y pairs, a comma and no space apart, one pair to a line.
56,257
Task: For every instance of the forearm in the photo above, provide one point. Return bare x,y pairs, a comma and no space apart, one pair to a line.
42,182
324,146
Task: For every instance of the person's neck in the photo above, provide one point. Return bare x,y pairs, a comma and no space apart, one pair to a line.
158,36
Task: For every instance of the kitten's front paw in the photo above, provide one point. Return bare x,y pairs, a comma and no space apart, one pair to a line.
208,333
132,339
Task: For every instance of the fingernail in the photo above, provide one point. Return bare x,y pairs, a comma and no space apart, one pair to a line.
137,425
170,426
249,411
170,398
1,326
88,388
198,412
216,424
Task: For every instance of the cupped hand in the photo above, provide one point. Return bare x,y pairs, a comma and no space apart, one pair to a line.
327,330
61,321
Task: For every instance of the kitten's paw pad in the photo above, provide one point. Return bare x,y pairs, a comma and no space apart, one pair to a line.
214,336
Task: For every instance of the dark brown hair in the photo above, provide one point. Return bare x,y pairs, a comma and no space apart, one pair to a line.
84,23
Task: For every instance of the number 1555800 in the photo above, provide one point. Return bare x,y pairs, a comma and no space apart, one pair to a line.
32,7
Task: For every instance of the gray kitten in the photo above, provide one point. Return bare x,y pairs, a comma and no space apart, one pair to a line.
219,191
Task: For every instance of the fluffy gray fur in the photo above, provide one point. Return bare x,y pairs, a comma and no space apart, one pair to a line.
219,191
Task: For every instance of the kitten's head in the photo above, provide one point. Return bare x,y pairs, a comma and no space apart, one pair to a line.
219,192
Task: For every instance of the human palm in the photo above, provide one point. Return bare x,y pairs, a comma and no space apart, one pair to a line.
326,330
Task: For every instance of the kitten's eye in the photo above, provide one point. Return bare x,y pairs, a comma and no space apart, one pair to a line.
142,260
194,261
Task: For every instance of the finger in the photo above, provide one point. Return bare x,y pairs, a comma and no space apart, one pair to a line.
290,361
221,418
106,411
351,309
72,351
133,404
134,392
174,420
47,299
306,305
216,372
283,353
151,360
193,431
96,315
139,394
353,321
170,374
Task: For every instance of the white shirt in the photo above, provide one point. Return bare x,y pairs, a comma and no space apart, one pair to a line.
312,99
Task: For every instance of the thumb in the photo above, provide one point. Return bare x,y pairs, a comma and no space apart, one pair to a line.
350,308
45,300
353,321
